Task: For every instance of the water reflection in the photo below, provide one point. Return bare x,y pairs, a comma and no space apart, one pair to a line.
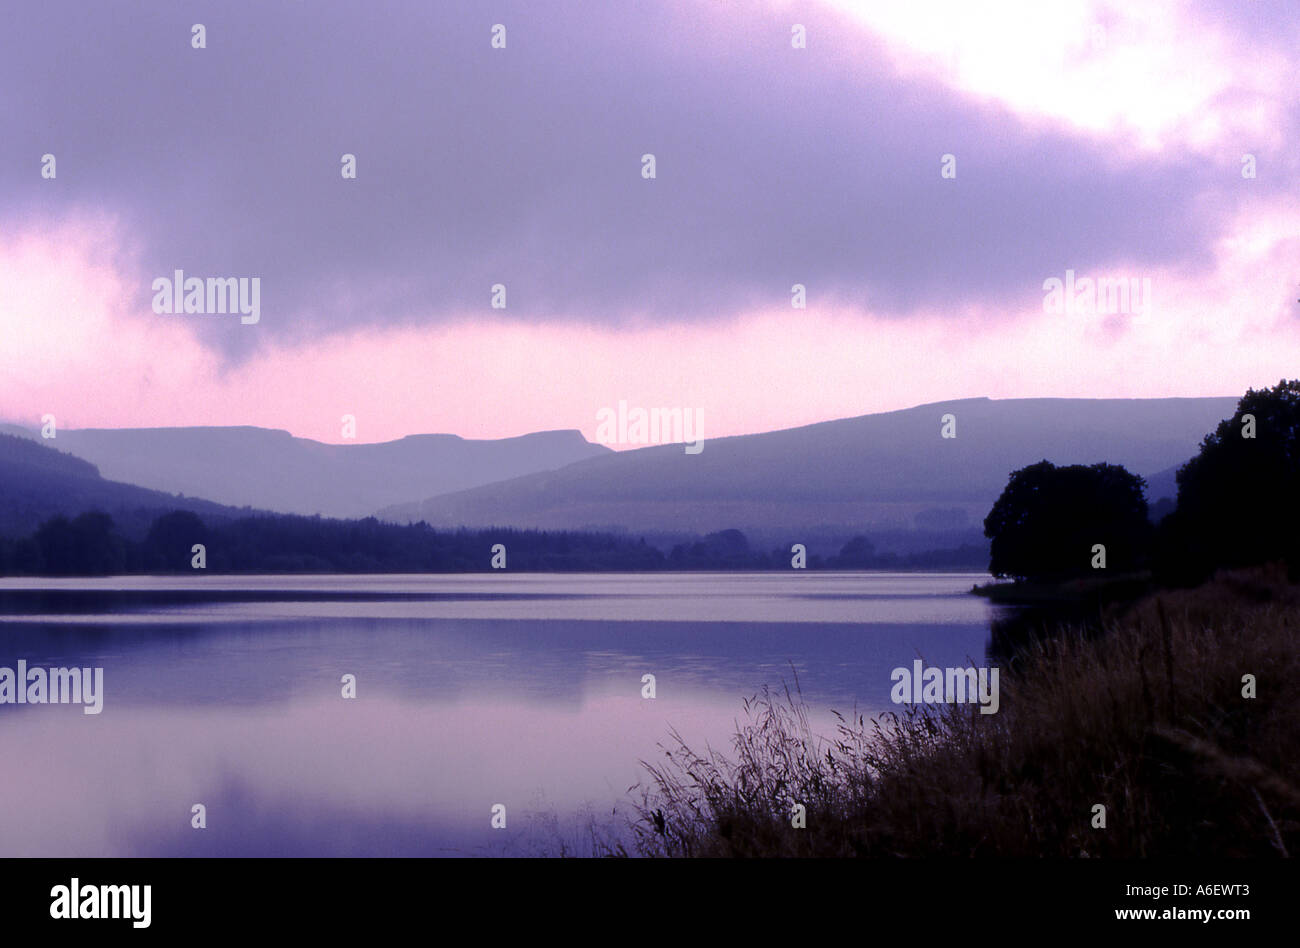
234,702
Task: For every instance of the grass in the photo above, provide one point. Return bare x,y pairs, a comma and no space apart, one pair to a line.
1147,719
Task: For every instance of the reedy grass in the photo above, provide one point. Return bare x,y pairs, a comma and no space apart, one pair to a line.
1147,719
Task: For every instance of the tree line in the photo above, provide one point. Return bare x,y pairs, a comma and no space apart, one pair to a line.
1238,505
91,544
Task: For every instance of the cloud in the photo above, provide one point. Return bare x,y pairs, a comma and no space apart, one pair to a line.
522,166
81,345
1160,75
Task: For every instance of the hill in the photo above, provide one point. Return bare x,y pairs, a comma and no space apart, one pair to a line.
38,482
891,470
273,470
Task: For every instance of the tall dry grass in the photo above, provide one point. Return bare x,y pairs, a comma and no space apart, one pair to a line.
1147,719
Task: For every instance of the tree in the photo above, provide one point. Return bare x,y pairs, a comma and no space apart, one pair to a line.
859,553
1239,498
171,538
1048,520
85,546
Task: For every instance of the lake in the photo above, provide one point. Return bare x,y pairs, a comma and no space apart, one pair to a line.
471,690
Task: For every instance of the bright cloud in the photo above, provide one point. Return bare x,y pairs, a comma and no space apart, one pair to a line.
1152,70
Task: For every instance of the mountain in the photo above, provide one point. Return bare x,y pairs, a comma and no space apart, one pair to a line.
272,470
38,482
890,470
1164,483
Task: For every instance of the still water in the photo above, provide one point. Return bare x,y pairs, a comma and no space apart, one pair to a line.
471,690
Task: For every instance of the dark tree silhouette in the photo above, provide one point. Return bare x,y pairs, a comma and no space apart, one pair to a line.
170,541
1239,498
275,543
724,549
1048,519
859,553
84,546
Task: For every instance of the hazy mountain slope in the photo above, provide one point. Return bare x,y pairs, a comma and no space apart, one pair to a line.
1164,483
272,470
871,470
38,482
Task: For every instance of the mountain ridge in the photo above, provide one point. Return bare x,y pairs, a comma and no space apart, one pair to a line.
882,469
272,469
38,482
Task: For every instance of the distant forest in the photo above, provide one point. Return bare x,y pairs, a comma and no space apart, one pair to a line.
90,544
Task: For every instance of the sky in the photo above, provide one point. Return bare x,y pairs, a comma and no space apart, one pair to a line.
923,169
